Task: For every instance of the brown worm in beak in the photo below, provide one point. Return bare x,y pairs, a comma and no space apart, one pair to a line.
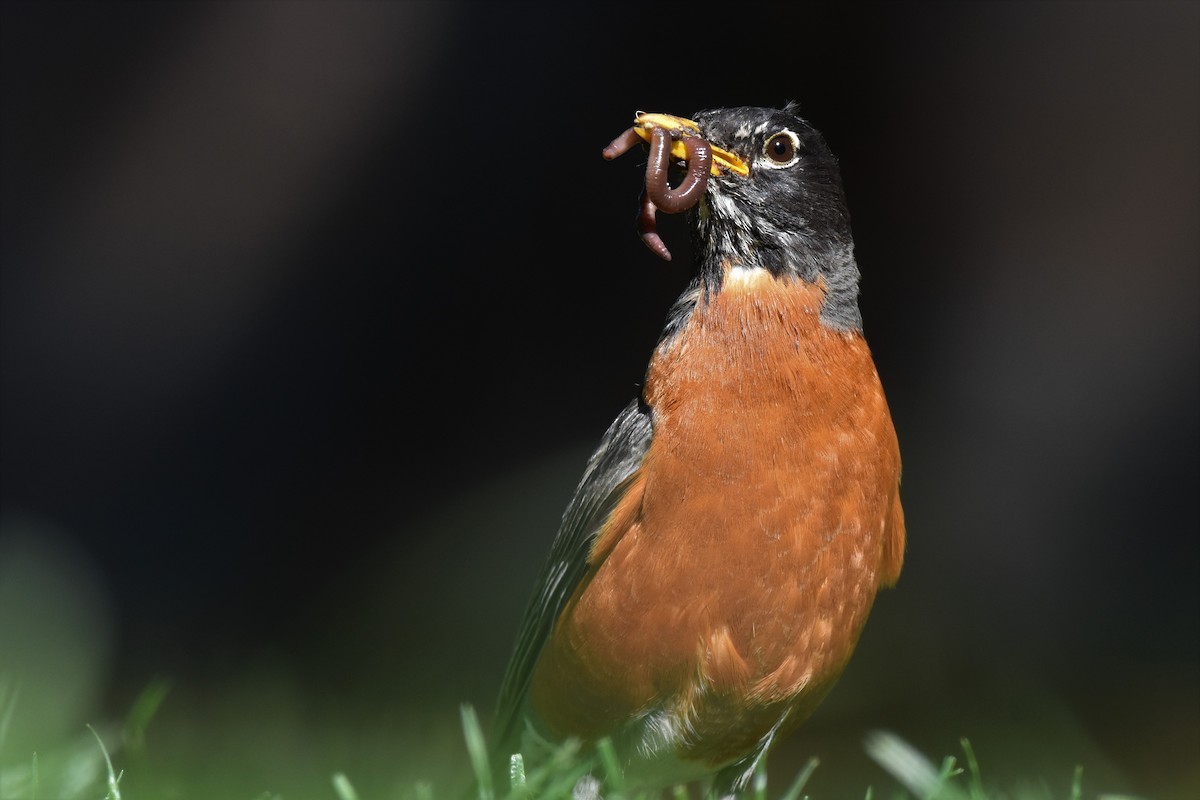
658,193
689,191
622,144
647,227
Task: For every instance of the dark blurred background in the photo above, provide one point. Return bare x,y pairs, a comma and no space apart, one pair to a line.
312,312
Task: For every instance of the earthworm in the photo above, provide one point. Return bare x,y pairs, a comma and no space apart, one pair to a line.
687,194
622,144
658,193
647,227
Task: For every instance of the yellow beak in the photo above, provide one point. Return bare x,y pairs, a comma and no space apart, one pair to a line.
679,129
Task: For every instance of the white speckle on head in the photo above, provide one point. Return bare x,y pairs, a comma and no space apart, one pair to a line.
742,133
761,129
733,231
726,207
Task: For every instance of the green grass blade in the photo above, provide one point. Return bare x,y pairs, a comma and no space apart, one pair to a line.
545,779
612,766
145,707
915,772
343,787
950,769
8,706
793,792
975,787
516,771
114,790
564,784
759,782
477,750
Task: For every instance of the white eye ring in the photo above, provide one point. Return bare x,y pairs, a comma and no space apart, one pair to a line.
790,152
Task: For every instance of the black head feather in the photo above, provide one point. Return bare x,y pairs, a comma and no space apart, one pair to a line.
788,216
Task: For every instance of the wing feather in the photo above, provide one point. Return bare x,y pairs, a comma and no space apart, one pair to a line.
607,477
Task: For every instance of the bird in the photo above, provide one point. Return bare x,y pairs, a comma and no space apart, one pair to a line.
715,566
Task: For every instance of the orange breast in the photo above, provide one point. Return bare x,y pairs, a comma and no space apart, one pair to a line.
732,581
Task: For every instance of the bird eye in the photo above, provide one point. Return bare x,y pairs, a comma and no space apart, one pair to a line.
781,148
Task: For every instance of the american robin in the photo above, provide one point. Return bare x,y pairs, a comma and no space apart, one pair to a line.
718,560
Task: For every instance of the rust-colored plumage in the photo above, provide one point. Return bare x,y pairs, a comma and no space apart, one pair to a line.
764,517
722,552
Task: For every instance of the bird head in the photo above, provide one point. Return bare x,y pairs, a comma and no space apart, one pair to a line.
774,201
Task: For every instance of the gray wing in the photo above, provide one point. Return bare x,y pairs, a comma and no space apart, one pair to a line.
605,480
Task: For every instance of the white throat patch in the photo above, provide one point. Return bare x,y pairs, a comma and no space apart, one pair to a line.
745,277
